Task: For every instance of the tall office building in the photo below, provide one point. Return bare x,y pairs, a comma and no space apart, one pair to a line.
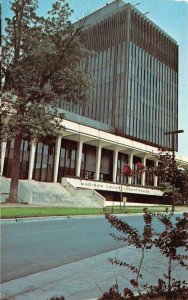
135,68
133,101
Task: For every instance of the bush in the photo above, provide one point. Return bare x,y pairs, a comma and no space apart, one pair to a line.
173,238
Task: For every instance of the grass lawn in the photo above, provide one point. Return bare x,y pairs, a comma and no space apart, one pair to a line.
20,212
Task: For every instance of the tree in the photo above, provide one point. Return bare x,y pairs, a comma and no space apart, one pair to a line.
173,179
40,65
184,187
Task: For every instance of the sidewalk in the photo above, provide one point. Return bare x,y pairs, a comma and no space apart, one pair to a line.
88,278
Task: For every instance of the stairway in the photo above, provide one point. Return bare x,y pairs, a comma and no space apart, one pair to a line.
54,194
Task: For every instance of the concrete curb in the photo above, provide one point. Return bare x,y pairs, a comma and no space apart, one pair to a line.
51,218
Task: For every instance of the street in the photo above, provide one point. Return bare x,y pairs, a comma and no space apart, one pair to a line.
30,246
35,245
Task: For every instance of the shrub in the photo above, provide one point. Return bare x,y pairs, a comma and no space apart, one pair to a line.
172,243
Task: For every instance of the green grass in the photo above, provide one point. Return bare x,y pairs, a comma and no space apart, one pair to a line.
21,212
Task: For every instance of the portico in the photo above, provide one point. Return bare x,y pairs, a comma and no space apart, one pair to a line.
87,153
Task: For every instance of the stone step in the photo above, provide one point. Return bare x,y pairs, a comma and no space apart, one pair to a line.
54,194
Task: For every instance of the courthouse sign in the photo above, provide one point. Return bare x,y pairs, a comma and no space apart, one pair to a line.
104,186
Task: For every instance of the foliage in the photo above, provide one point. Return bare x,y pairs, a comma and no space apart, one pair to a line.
171,177
114,294
40,62
172,243
40,68
182,194
127,171
168,170
140,166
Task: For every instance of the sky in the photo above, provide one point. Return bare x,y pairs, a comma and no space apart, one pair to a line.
171,16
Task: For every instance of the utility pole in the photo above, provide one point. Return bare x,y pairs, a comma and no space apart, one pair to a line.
172,133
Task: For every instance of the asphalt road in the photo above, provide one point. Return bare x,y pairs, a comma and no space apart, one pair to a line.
36,245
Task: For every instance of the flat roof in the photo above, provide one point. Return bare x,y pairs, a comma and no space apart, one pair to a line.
100,14
112,8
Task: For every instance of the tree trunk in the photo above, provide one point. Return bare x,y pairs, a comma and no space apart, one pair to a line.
13,196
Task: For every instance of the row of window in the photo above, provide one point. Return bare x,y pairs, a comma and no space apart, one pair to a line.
156,42
132,97
152,98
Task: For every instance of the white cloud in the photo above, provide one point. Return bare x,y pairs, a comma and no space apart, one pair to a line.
181,1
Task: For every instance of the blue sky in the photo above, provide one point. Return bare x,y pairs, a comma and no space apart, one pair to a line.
172,17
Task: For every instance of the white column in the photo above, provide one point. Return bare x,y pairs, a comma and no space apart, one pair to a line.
143,175
130,161
79,158
156,177
31,159
57,155
98,162
3,151
115,160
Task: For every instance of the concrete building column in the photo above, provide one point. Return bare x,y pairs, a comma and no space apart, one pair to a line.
130,162
115,160
143,175
56,160
3,151
98,162
156,177
79,158
31,160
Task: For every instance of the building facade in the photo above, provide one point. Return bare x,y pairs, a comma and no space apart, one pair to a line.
134,100
135,69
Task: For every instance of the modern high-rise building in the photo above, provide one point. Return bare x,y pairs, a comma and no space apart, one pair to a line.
135,68
133,102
